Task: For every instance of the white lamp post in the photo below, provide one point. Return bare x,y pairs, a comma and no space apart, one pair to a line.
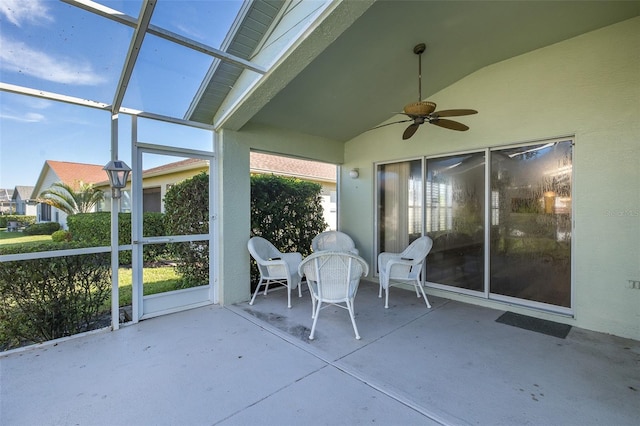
118,172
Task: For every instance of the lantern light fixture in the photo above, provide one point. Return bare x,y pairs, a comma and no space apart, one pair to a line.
118,173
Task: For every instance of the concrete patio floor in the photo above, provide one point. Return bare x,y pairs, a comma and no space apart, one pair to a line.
254,365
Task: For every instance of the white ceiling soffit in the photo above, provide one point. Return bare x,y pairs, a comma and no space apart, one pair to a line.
363,74
252,23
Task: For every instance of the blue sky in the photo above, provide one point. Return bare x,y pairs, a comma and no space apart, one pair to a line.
52,46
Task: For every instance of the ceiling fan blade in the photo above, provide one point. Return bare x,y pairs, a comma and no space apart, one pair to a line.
410,131
449,124
389,124
454,112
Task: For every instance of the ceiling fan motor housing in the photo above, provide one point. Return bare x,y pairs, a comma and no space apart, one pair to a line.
419,108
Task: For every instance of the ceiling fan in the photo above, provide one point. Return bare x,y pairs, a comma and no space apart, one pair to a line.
425,112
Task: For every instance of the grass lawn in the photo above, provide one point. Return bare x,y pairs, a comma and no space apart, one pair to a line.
10,238
156,280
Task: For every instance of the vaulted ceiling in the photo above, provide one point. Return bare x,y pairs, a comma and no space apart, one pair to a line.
370,71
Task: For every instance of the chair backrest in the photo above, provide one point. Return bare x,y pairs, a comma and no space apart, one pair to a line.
418,249
333,241
336,274
261,249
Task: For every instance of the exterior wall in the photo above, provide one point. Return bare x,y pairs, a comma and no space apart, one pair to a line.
589,87
56,215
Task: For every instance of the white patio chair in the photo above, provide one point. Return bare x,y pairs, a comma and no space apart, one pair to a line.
333,279
334,241
404,267
275,267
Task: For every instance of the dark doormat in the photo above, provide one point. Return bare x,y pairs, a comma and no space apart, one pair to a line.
549,328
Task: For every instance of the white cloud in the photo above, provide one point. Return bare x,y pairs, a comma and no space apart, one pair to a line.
18,57
29,117
19,11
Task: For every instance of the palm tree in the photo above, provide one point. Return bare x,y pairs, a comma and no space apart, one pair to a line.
70,200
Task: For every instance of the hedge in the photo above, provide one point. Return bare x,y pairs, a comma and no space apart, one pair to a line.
5,219
287,212
95,229
44,299
187,212
43,228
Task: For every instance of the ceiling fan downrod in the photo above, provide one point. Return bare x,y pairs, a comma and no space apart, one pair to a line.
419,50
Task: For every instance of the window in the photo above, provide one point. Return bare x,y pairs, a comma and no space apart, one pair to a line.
45,212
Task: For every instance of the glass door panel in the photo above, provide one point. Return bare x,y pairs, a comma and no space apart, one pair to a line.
399,199
531,223
454,200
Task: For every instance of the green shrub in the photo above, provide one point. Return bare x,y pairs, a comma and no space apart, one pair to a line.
44,228
287,212
44,299
95,229
61,236
186,207
26,220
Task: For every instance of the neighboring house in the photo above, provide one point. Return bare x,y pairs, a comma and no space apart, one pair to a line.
157,180
66,172
23,202
6,203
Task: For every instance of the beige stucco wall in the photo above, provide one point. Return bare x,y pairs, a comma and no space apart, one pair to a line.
589,87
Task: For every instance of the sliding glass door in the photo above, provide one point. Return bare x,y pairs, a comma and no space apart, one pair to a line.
500,220
531,223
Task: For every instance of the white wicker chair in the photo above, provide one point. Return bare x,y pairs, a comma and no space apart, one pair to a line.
275,267
405,266
333,279
334,241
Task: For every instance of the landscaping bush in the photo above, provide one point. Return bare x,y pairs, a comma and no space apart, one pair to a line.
186,207
26,220
44,299
287,212
44,228
61,236
95,229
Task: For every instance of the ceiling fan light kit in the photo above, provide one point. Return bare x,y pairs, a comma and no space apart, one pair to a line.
425,112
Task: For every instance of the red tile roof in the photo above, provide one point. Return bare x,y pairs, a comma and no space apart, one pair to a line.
72,173
266,163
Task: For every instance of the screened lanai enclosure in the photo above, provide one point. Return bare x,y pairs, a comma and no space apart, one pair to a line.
87,82
532,204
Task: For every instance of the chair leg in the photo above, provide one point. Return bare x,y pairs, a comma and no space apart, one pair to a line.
255,293
288,296
417,284
315,320
386,297
313,300
353,318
